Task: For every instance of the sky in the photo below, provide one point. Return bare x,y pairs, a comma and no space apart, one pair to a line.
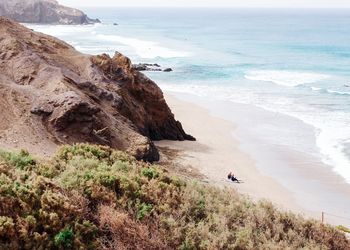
211,3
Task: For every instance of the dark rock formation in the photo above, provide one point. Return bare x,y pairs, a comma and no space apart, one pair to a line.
42,11
51,95
150,67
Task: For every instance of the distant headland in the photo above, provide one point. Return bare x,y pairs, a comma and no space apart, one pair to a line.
43,12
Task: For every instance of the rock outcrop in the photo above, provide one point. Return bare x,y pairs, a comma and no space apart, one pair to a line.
42,11
150,67
51,95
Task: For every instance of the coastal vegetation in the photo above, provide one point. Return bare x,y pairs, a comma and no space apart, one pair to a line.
94,197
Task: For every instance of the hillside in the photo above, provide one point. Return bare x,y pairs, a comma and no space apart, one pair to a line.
51,95
42,11
90,197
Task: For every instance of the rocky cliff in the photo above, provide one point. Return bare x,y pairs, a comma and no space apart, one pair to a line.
51,95
42,11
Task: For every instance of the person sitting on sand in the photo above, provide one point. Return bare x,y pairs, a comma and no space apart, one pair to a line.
234,179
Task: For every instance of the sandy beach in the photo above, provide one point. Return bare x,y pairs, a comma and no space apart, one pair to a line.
218,151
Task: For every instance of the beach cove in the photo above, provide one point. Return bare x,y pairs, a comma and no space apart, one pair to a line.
154,128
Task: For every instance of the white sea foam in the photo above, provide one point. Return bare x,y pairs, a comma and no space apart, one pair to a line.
331,141
62,30
316,88
330,91
285,78
337,92
145,49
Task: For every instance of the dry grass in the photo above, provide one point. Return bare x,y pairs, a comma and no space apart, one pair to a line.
122,232
92,197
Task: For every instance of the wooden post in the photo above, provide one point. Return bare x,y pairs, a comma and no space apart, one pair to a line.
322,217
323,238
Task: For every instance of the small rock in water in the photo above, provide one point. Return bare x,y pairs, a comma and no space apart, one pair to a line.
115,24
147,67
150,67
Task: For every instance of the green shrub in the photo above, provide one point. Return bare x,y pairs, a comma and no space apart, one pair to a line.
64,238
121,166
83,150
150,173
107,180
187,245
20,160
143,210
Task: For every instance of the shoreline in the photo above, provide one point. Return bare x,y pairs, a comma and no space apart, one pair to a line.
221,148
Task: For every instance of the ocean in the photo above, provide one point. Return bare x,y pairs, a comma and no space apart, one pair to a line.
290,62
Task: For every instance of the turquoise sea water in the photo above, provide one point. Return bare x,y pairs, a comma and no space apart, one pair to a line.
294,62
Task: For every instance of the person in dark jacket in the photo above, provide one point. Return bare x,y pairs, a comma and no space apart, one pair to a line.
232,177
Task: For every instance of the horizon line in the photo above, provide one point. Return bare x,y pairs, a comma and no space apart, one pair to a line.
214,7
